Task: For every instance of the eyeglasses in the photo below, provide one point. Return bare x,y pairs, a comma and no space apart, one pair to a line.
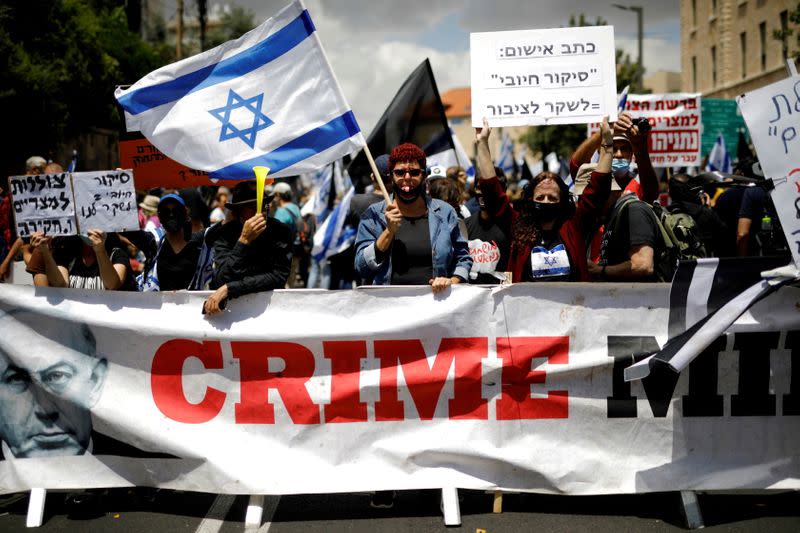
400,172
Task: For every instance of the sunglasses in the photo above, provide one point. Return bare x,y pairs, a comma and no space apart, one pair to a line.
400,172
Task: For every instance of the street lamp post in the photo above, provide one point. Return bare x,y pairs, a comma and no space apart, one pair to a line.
639,16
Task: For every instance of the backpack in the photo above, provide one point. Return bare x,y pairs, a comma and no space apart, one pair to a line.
666,254
306,227
681,229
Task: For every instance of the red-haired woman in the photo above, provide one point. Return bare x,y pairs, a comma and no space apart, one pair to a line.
415,240
549,229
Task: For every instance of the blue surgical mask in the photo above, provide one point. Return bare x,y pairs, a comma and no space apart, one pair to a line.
620,167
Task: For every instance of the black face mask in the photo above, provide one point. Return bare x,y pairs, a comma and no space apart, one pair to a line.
171,221
545,212
411,196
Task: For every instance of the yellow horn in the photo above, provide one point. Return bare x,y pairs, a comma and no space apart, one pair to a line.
261,182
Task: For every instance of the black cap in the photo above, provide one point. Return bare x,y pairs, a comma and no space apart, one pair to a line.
244,193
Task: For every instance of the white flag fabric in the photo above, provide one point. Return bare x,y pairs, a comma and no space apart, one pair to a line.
268,98
505,159
333,236
719,159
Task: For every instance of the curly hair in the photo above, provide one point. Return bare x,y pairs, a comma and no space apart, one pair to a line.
407,152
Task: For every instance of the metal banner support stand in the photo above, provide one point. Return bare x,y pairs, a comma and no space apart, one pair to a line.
691,510
36,508
450,507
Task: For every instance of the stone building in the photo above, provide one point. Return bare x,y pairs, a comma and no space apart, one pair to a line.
728,48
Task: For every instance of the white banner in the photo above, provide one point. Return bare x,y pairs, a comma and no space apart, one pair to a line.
552,76
677,127
517,387
771,114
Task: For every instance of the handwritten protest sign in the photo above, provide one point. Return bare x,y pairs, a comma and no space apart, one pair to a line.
105,200
553,76
153,169
676,127
43,203
772,114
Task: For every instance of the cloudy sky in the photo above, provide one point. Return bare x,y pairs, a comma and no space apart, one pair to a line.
374,45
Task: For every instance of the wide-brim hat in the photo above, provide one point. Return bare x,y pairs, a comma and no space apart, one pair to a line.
584,175
150,204
244,194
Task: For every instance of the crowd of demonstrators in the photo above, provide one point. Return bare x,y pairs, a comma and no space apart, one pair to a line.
437,229
414,239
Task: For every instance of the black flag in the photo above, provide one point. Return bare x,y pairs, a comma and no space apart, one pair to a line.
416,115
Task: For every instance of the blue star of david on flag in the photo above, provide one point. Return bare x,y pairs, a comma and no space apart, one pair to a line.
230,131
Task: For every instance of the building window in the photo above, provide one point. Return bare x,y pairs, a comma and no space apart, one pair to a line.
694,73
694,13
743,51
713,66
784,32
762,35
713,8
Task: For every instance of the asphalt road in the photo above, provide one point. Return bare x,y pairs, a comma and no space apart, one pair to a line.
135,510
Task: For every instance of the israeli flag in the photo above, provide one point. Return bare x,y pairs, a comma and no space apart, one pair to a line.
505,159
719,159
333,236
268,98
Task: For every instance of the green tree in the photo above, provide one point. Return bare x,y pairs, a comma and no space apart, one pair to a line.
233,24
783,35
564,139
60,61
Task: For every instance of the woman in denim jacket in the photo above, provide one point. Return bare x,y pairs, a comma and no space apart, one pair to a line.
415,239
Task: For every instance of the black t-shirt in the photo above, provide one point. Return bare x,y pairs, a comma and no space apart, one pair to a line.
175,271
412,260
636,227
736,203
493,237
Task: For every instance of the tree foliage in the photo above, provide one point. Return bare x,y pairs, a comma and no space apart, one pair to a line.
564,139
781,35
60,61
234,22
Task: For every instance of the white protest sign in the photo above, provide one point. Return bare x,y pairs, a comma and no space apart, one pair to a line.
552,76
676,123
105,200
772,114
43,203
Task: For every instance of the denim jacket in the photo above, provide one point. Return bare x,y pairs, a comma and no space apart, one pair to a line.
450,251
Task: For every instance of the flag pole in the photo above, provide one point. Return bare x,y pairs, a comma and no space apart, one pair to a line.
378,177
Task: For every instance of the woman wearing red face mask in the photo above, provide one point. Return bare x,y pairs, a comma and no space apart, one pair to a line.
548,231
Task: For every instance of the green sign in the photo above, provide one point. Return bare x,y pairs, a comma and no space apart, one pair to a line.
721,116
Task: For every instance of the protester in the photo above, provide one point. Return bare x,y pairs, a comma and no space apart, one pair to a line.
35,165
415,239
219,213
288,213
686,195
549,230
447,190
95,261
342,269
148,210
252,253
635,148
197,207
175,261
5,228
489,241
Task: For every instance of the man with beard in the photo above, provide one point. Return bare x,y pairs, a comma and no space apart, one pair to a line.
175,261
414,240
